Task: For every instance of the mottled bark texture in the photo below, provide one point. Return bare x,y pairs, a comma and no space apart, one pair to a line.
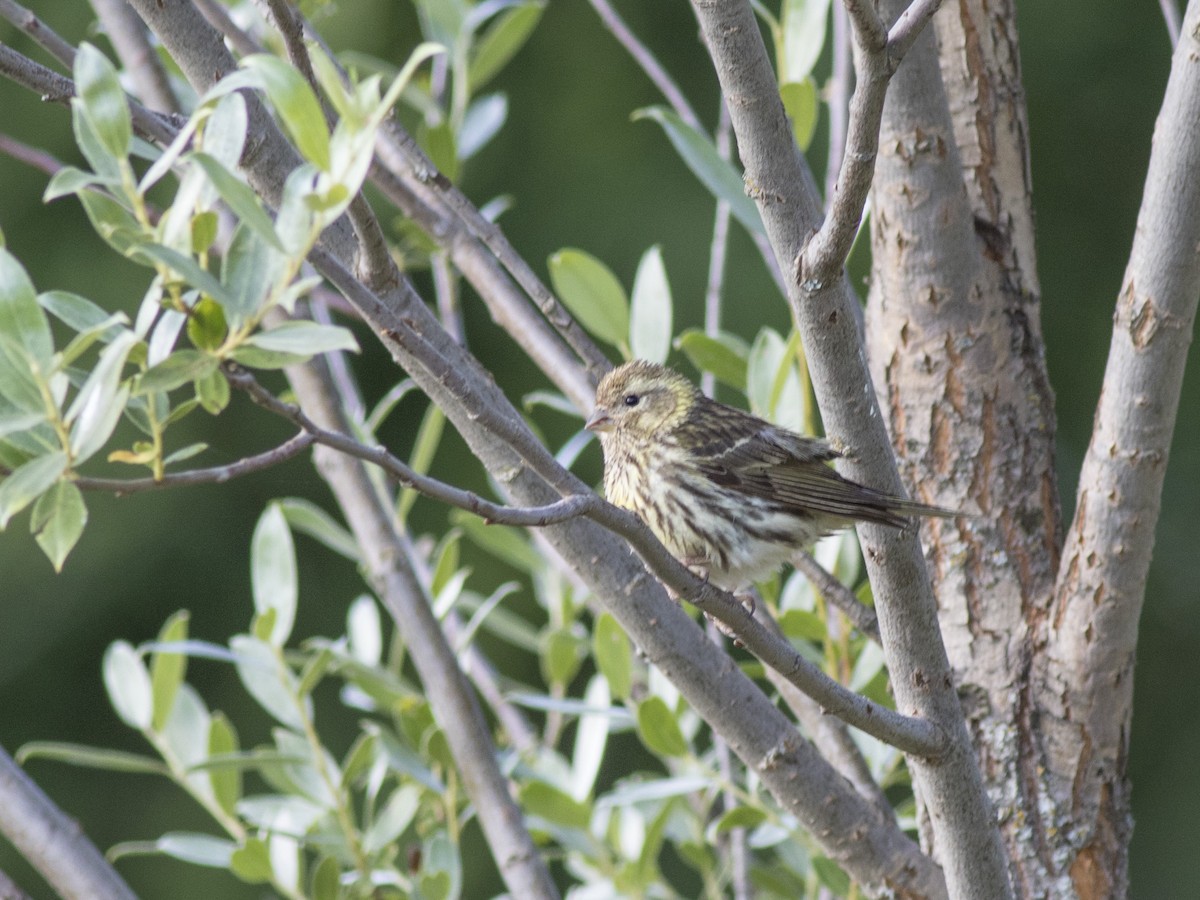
1045,671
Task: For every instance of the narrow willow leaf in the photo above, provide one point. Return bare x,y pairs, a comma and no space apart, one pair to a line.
801,103
723,355
98,406
198,849
613,654
541,799
92,757
240,197
128,685
102,100
801,37
27,482
167,669
273,687
308,518
659,729
651,309
176,370
58,519
226,782
500,43
273,575
701,156
592,293
296,105
304,338
21,318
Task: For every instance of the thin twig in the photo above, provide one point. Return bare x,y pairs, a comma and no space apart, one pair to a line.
824,257
45,36
52,841
31,156
567,508
718,249
218,17
649,63
1172,19
129,38
838,594
215,475
840,80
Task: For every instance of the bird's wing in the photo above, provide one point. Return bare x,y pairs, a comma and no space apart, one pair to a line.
764,461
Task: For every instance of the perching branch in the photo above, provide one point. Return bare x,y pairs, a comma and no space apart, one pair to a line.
52,841
966,840
880,53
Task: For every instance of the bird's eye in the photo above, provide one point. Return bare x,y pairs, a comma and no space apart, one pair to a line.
632,399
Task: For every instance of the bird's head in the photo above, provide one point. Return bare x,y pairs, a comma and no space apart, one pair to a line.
641,399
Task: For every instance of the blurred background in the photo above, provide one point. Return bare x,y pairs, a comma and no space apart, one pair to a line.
582,174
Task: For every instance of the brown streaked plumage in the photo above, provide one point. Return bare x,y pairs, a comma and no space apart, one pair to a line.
725,491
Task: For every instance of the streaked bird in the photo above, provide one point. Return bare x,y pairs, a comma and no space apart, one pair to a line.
729,494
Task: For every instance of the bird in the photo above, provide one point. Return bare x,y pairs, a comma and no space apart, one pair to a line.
730,495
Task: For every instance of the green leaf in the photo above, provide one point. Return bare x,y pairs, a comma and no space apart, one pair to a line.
178,369
308,518
27,482
167,669
204,230
831,875
199,849
724,355
21,318
206,325
186,268
296,105
226,782
240,197
715,173
439,145
801,103
213,391
58,519
304,339
651,309
801,37
252,271
257,358
70,180
326,879
128,685
773,383
658,728
397,814
541,799
98,406
562,653
800,624
741,817
252,862
92,757
102,100
113,222
429,437
500,43
272,686
613,655
501,541
592,293
76,312
273,576
364,631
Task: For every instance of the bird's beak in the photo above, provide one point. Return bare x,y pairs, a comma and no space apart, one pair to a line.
598,420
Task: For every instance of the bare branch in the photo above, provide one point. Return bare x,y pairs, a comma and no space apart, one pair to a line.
839,87
824,257
46,37
1090,645
647,61
10,890
31,156
1170,13
52,841
718,249
214,475
128,35
567,508
967,841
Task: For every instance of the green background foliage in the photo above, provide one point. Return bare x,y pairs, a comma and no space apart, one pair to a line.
582,174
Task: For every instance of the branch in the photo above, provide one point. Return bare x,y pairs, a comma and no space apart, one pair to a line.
128,36
967,841
45,36
493,513
1101,584
52,841
880,53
